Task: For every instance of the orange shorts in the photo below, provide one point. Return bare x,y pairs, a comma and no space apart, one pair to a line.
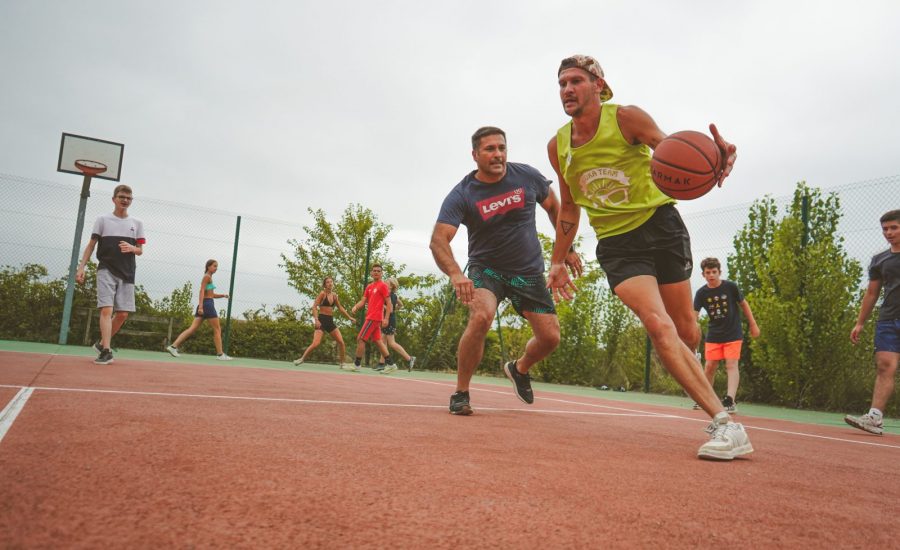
371,331
716,351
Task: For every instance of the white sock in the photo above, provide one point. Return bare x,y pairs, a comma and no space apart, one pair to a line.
722,418
875,413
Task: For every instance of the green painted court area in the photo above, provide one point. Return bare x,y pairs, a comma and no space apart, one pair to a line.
891,425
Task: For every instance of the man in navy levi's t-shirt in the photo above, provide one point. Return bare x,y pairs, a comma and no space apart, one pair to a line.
119,238
496,203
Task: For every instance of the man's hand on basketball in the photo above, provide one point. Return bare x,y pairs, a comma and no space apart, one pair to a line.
729,150
559,283
465,288
573,262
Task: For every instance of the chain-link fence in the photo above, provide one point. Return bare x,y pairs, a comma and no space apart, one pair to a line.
39,222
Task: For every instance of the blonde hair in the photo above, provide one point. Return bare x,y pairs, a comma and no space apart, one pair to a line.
395,284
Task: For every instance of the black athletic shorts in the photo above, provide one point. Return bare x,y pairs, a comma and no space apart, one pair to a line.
661,247
327,323
526,292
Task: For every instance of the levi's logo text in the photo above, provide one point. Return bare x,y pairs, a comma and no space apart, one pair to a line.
488,208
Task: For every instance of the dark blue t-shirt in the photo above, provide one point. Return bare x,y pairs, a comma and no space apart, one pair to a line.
885,267
721,304
500,219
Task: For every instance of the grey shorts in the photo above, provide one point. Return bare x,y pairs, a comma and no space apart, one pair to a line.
113,291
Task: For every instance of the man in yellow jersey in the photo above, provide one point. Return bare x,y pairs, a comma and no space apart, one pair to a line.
602,159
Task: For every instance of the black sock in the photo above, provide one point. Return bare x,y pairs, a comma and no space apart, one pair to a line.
357,361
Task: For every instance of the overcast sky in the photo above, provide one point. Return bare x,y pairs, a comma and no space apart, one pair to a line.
267,108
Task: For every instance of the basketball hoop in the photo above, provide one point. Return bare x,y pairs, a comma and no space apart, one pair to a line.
90,167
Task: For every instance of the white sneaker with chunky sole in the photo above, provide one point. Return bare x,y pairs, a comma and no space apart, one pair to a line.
866,423
727,441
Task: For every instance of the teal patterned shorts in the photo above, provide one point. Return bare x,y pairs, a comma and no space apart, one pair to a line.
526,292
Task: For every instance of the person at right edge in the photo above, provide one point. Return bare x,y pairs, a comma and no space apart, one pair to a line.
884,272
602,158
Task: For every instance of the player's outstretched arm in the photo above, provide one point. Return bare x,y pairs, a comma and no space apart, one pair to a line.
558,280
729,151
443,256
868,304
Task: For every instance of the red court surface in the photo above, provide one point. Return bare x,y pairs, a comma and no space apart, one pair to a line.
146,454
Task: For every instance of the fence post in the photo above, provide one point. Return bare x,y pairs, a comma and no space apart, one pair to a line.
365,279
500,337
647,347
73,263
237,237
804,215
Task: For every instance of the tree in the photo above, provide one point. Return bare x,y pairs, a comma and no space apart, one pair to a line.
805,294
339,251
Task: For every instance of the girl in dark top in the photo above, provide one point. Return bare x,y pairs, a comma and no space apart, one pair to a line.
206,309
390,330
322,310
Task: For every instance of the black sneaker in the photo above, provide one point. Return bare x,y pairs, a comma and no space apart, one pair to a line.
459,404
728,403
379,367
521,382
97,347
104,358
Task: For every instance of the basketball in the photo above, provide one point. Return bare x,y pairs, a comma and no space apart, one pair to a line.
686,165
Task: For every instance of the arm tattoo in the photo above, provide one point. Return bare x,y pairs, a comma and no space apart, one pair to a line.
566,227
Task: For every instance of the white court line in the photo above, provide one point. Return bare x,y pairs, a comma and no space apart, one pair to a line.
545,398
313,401
13,408
406,405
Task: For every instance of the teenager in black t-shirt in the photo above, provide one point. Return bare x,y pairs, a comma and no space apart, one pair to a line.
721,300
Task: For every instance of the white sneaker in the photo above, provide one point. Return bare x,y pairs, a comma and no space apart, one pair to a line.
389,369
412,361
349,366
866,423
298,361
223,357
173,351
726,442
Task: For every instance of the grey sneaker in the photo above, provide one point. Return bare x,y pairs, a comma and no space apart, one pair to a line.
521,382
728,403
105,357
412,361
173,351
727,441
459,404
866,423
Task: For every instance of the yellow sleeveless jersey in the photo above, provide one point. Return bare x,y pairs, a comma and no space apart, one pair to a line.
609,177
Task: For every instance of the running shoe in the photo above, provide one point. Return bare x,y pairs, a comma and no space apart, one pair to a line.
388,369
349,366
105,357
727,441
379,367
223,357
173,351
728,403
412,361
97,347
697,406
521,382
459,404
866,423
298,361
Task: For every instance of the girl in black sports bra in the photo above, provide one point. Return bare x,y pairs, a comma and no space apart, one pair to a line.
322,310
